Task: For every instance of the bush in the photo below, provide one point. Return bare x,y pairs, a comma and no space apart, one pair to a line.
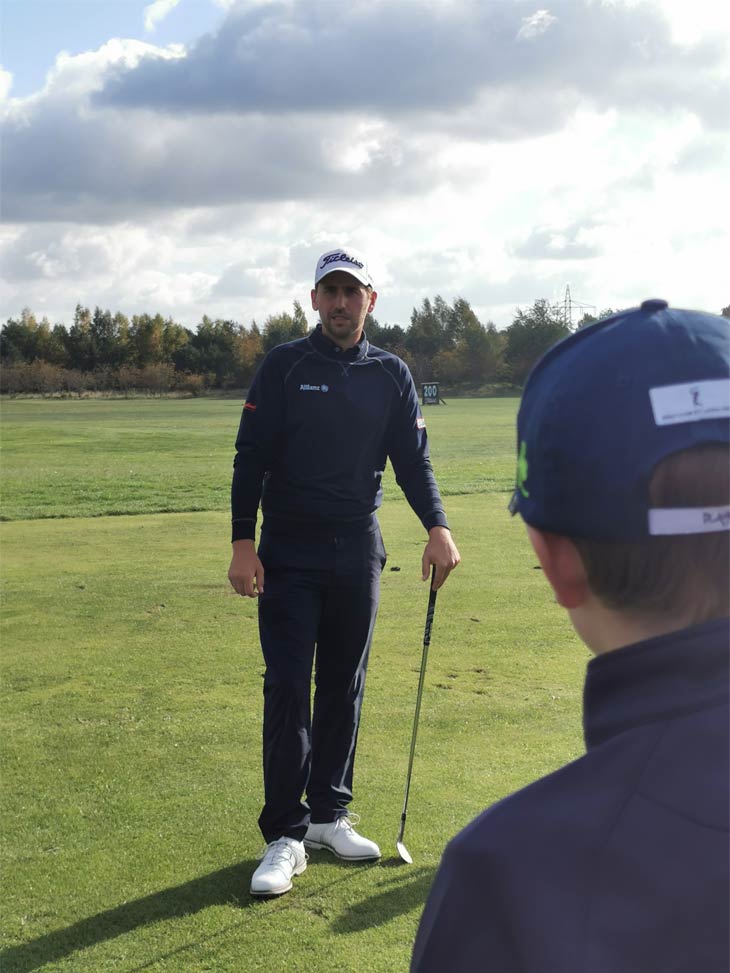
42,378
36,377
191,383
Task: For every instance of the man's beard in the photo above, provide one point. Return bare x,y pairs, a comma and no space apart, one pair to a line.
339,322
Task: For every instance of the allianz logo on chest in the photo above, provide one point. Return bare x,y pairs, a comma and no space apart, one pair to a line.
314,388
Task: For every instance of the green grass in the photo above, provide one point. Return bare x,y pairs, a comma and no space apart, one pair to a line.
131,706
90,458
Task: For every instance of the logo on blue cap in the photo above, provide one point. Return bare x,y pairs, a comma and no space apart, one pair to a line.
522,469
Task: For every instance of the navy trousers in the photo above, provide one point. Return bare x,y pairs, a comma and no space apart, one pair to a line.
317,611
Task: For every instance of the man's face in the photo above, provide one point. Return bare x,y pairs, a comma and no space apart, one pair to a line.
343,304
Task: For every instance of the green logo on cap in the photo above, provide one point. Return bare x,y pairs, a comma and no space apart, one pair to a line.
522,469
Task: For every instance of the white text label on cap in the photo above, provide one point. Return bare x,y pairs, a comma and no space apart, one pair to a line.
688,520
691,402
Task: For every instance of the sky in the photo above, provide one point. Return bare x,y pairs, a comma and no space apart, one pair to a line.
194,157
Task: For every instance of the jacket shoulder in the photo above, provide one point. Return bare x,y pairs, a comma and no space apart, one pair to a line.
385,357
290,349
281,358
572,806
391,363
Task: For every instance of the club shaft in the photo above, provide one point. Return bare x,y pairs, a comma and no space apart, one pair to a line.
421,679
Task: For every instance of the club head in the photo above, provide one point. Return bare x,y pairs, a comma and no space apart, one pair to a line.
404,853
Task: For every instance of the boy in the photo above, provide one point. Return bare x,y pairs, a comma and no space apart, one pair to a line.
618,862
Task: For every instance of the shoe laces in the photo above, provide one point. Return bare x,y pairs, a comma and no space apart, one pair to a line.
280,850
348,821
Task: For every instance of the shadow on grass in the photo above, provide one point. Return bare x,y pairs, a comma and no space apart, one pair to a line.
228,885
404,889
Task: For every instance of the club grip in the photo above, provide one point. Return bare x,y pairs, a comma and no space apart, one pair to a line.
431,607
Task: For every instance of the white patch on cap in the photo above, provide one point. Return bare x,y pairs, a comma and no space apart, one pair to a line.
350,261
691,402
689,520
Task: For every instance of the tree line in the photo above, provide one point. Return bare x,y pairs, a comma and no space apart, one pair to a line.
107,352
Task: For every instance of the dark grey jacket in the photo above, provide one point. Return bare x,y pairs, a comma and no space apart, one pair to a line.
618,862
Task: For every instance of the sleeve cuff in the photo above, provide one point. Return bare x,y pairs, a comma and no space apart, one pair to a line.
243,530
435,519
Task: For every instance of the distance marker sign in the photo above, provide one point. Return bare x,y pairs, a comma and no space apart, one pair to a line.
430,392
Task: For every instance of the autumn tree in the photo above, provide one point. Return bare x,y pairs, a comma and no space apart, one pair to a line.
280,328
531,333
248,350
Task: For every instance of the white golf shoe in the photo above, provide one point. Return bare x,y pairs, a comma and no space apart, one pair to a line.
281,860
341,838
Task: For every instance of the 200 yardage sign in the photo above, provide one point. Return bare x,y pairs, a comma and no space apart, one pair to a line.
430,393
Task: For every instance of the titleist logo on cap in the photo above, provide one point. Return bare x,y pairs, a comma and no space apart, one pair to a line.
344,258
350,261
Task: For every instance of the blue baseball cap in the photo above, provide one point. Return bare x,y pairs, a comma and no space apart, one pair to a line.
603,406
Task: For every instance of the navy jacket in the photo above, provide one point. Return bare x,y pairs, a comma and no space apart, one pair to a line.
618,862
317,428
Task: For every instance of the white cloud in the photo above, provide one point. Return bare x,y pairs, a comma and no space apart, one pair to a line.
72,78
690,22
433,58
6,81
145,178
535,25
156,12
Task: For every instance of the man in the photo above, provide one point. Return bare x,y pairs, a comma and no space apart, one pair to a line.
323,415
618,862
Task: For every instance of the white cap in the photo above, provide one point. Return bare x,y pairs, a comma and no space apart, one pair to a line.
350,261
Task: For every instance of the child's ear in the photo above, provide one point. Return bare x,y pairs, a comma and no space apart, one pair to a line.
562,566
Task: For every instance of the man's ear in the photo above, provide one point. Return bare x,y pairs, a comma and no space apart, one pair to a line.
314,299
562,566
373,299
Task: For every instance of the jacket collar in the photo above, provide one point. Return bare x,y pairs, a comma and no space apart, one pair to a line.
653,680
322,344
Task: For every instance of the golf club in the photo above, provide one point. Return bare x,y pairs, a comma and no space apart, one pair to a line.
402,850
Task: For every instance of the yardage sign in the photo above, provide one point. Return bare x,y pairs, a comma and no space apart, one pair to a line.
430,393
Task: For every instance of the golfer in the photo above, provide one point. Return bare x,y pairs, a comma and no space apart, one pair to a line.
618,862
323,415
